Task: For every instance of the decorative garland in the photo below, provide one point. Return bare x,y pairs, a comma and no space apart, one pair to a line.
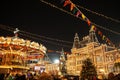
78,13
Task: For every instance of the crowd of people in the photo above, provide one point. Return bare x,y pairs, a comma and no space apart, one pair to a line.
46,76
111,76
29,76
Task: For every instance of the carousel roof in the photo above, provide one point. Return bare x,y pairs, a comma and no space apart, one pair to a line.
21,43
19,46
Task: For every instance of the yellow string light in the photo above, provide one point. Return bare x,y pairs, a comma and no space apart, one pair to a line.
118,33
115,20
78,17
45,40
24,32
69,14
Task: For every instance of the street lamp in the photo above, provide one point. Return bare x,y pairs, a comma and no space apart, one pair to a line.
56,61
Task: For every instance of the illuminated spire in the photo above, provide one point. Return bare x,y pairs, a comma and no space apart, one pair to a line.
93,37
76,43
62,56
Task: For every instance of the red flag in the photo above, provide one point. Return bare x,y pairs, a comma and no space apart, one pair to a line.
66,3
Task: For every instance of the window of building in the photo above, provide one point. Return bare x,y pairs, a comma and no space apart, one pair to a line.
110,69
98,58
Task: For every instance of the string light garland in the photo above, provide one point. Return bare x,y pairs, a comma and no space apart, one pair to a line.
31,36
78,13
7,28
112,19
61,10
90,24
45,40
36,35
53,39
54,6
69,14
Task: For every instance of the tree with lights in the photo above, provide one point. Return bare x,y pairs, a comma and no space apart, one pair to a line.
88,71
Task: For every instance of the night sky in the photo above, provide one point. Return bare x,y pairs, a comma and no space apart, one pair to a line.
38,18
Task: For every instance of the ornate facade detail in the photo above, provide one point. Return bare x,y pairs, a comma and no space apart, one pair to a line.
76,43
101,55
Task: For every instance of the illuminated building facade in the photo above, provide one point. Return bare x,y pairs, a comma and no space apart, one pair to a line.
52,69
102,55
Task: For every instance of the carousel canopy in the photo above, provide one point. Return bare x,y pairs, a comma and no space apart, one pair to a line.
19,46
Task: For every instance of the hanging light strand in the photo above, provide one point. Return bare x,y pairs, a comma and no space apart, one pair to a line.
53,39
112,19
36,35
6,28
52,5
31,36
45,41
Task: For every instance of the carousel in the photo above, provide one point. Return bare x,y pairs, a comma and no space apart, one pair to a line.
15,51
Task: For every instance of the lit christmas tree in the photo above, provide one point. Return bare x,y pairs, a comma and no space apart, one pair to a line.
88,71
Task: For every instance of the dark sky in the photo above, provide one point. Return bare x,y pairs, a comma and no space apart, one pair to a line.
41,19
